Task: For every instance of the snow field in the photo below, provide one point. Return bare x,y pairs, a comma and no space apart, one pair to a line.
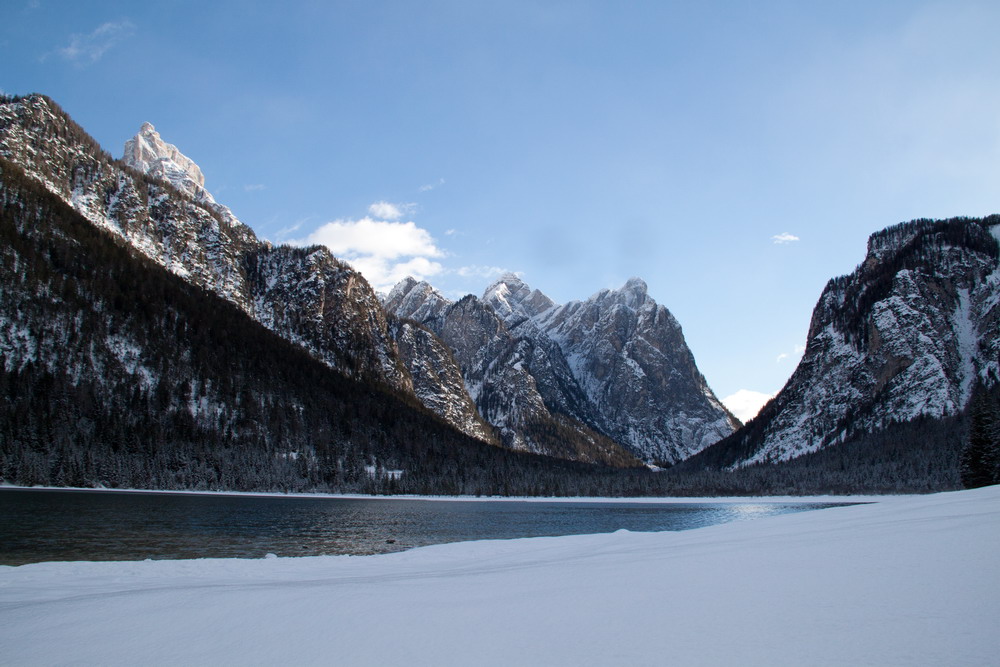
913,580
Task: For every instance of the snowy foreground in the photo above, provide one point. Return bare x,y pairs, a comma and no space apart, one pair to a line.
907,581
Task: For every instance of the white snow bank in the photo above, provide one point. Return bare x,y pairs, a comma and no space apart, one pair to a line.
913,581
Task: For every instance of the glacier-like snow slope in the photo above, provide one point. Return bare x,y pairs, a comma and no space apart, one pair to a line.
905,581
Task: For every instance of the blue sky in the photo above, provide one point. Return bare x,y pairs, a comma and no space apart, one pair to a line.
735,155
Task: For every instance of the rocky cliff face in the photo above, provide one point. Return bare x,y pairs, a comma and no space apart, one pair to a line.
437,380
615,364
629,356
150,215
496,367
908,334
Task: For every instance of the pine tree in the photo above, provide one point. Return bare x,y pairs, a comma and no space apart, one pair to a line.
980,463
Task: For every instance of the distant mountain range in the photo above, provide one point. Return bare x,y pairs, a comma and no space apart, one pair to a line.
909,336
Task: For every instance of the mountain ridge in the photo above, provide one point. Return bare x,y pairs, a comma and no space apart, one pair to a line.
548,337
896,350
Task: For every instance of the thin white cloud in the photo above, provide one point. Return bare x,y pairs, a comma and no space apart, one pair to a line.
384,210
746,403
88,49
478,271
384,252
430,186
255,187
796,353
285,232
783,238
450,232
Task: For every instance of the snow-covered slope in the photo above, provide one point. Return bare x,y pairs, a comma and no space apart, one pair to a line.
908,334
150,215
905,581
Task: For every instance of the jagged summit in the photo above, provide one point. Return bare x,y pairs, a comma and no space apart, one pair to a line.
148,153
415,300
629,356
635,286
634,293
615,364
514,300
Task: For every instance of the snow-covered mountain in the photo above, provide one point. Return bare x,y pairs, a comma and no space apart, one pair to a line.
156,202
437,379
147,153
498,370
616,364
629,356
303,295
907,335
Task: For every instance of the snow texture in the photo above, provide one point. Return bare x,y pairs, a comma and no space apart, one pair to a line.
909,580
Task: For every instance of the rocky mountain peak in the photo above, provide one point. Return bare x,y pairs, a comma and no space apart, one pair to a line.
514,300
148,153
635,292
415,300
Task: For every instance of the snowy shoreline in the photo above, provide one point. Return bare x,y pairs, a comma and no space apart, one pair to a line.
910,580
521,499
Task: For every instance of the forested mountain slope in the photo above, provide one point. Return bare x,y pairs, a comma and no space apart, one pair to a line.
155,200
115,372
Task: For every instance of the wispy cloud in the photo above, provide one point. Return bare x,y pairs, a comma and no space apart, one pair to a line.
431,186
384,210
285,232
255,187
87,49
384,252
746,403
797,352
478,271
783,238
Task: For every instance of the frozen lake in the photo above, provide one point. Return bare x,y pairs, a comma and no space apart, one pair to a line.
51,525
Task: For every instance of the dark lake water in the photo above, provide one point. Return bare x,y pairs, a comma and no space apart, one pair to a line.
43,525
